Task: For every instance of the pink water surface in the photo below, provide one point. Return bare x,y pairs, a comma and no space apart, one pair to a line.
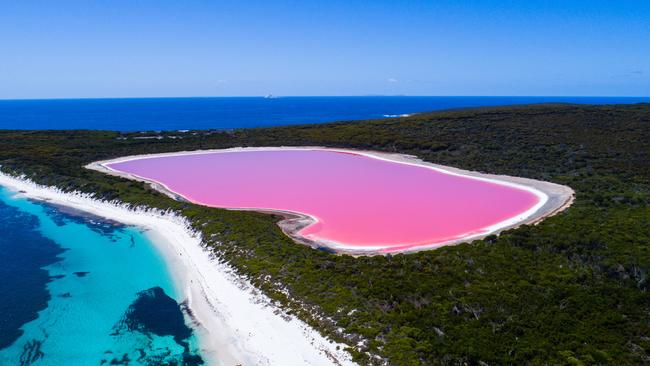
359,201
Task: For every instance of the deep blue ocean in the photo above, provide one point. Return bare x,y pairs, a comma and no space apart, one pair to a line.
153,114
78,290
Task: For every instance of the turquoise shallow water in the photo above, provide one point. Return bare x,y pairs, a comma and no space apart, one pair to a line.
111,298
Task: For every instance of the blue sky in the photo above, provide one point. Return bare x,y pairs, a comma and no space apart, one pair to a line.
133,48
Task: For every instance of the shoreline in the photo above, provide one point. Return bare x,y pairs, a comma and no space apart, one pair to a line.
234,323
553,198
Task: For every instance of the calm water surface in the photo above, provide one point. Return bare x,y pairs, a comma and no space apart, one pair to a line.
224,113
358,201
78,290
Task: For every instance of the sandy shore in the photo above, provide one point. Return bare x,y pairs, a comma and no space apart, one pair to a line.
235,324
553,198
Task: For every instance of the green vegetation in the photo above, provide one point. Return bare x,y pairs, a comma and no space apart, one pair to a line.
571,290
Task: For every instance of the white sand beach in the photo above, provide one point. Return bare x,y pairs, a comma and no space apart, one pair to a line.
235,324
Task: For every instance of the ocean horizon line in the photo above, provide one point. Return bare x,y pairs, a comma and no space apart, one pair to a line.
208,113
274,96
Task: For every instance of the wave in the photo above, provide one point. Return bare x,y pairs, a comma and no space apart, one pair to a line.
397,115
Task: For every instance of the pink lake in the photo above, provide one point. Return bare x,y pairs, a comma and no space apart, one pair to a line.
358,201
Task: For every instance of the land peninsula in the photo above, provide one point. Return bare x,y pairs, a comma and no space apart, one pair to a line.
569,290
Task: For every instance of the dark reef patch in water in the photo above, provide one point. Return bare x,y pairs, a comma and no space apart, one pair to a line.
23,289
154,313
62,215
31,352
80,274
124,360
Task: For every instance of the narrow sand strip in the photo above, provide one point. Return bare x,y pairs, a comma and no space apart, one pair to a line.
553,198
235,324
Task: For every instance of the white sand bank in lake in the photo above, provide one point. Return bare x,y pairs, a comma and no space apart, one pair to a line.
235,325
553,198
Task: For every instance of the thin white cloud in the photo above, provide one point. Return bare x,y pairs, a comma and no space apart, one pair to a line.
392,80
